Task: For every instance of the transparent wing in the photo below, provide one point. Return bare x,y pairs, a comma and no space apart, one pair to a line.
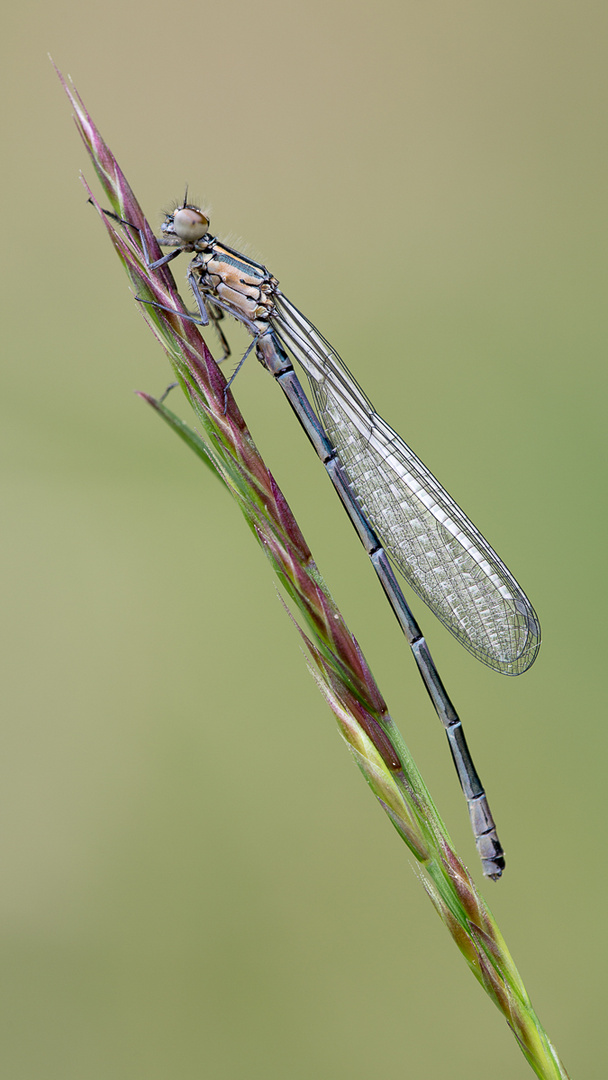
441,554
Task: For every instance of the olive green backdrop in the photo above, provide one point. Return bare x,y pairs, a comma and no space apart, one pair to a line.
195,880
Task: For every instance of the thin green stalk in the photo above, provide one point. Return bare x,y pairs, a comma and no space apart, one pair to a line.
336,660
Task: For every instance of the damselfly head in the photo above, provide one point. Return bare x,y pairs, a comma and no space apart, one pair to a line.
186,222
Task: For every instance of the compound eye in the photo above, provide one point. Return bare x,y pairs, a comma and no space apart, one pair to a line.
189,224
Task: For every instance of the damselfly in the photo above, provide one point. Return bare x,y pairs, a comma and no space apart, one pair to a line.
395,503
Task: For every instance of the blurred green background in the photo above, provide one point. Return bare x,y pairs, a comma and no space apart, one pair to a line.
195,880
